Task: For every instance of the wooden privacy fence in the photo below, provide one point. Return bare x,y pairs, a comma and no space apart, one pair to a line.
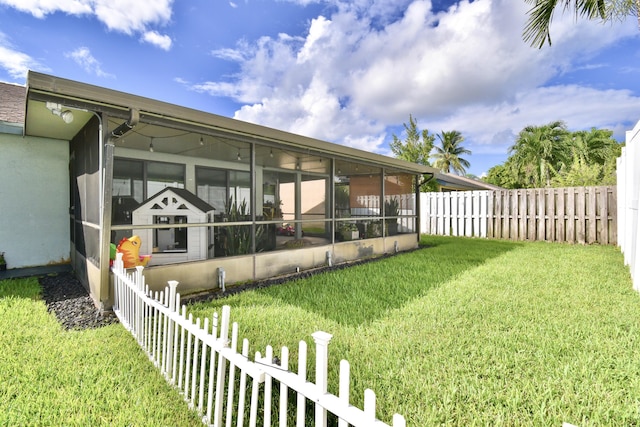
223,385
572,214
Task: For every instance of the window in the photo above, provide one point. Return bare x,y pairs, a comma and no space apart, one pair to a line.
170,239
134,181
128,179
163,175
217,186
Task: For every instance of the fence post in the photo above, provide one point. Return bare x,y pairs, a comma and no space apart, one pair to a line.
322,355
173,285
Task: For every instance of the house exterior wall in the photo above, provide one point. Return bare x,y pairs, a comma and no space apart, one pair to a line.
34,203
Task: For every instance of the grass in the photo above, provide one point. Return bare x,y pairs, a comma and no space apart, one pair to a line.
53,377
470,332
462,332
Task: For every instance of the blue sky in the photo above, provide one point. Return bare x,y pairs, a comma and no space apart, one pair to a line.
349,72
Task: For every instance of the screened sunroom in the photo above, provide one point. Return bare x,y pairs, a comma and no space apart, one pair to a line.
208,194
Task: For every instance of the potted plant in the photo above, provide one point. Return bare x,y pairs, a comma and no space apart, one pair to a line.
3,262
348,231
391,211
374,229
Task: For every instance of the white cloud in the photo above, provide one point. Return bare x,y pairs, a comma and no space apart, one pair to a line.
129,16
83,57
156,39
370,64
217,89
16,63
41,8
493,129
124,16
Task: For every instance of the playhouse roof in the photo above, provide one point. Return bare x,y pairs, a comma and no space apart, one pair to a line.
185,195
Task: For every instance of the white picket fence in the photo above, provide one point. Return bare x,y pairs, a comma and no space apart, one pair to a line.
628,178
201,360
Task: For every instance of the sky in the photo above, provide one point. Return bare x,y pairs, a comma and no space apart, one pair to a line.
349,72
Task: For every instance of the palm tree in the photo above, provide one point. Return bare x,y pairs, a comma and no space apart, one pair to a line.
541,14
539,152
447,156
592,146
417,145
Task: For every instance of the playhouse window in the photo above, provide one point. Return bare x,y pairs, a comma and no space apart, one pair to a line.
172,239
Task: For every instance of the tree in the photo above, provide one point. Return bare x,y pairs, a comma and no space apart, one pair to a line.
536,29
448,154
550,155
503,176
593,146
416,148
580,174
539,153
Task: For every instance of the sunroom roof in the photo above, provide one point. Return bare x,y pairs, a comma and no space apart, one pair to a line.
83,99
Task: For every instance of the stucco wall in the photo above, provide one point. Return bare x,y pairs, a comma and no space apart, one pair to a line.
34,200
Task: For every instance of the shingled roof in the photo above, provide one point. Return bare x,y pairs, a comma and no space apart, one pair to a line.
12,103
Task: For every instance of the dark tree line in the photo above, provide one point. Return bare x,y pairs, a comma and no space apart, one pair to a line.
552,156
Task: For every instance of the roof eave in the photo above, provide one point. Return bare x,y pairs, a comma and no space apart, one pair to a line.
69,89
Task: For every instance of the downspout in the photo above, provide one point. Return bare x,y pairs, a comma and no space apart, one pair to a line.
106,177
418,185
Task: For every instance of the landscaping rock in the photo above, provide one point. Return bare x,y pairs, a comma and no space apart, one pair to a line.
69,301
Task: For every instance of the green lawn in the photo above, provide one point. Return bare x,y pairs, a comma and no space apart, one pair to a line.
471,332
53,377
461,332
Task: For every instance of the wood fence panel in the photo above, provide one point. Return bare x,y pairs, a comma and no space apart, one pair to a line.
560,215
506,204
612,218
490,214
603,213
514,216
475,215
540,232
522,214
572,215
498,215
591,215
531,215
551,215
580,212
570,236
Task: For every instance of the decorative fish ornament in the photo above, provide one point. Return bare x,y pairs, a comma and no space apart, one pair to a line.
130,250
